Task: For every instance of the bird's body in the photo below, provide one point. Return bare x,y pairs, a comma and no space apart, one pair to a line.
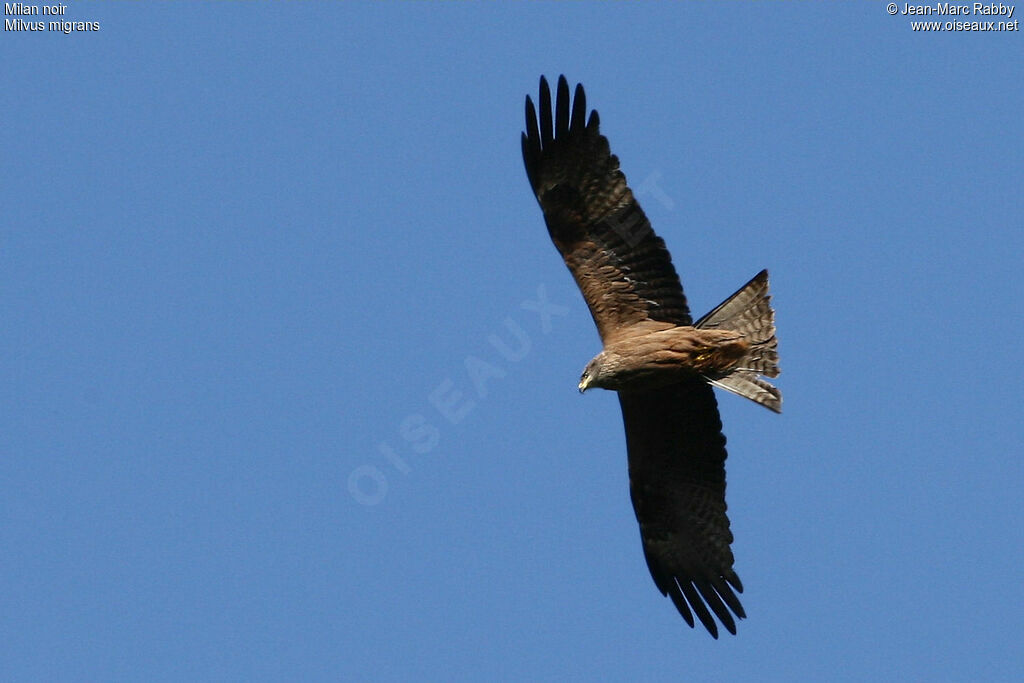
661,362
660,353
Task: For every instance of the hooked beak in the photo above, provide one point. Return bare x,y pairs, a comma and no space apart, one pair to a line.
584,383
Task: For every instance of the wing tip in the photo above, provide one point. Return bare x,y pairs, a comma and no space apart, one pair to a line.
547,124
568,115
701,598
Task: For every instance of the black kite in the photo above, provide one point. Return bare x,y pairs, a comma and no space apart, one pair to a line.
660,362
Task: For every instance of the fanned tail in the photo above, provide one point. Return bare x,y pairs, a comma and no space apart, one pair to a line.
750,313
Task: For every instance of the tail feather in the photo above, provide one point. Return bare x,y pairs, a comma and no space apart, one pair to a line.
749,385
750,313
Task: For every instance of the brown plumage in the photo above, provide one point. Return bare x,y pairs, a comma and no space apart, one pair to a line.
660,362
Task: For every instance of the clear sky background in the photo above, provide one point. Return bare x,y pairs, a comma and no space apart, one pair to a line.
249,248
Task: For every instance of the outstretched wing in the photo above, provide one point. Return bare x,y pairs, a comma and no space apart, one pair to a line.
677,483
620,265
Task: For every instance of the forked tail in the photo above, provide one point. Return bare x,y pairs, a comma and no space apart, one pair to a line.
750,313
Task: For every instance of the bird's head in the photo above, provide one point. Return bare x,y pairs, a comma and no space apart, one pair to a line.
591,375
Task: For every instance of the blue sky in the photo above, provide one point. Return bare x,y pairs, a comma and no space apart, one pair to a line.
250,251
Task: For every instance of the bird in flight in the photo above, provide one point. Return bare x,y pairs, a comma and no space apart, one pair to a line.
661,362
